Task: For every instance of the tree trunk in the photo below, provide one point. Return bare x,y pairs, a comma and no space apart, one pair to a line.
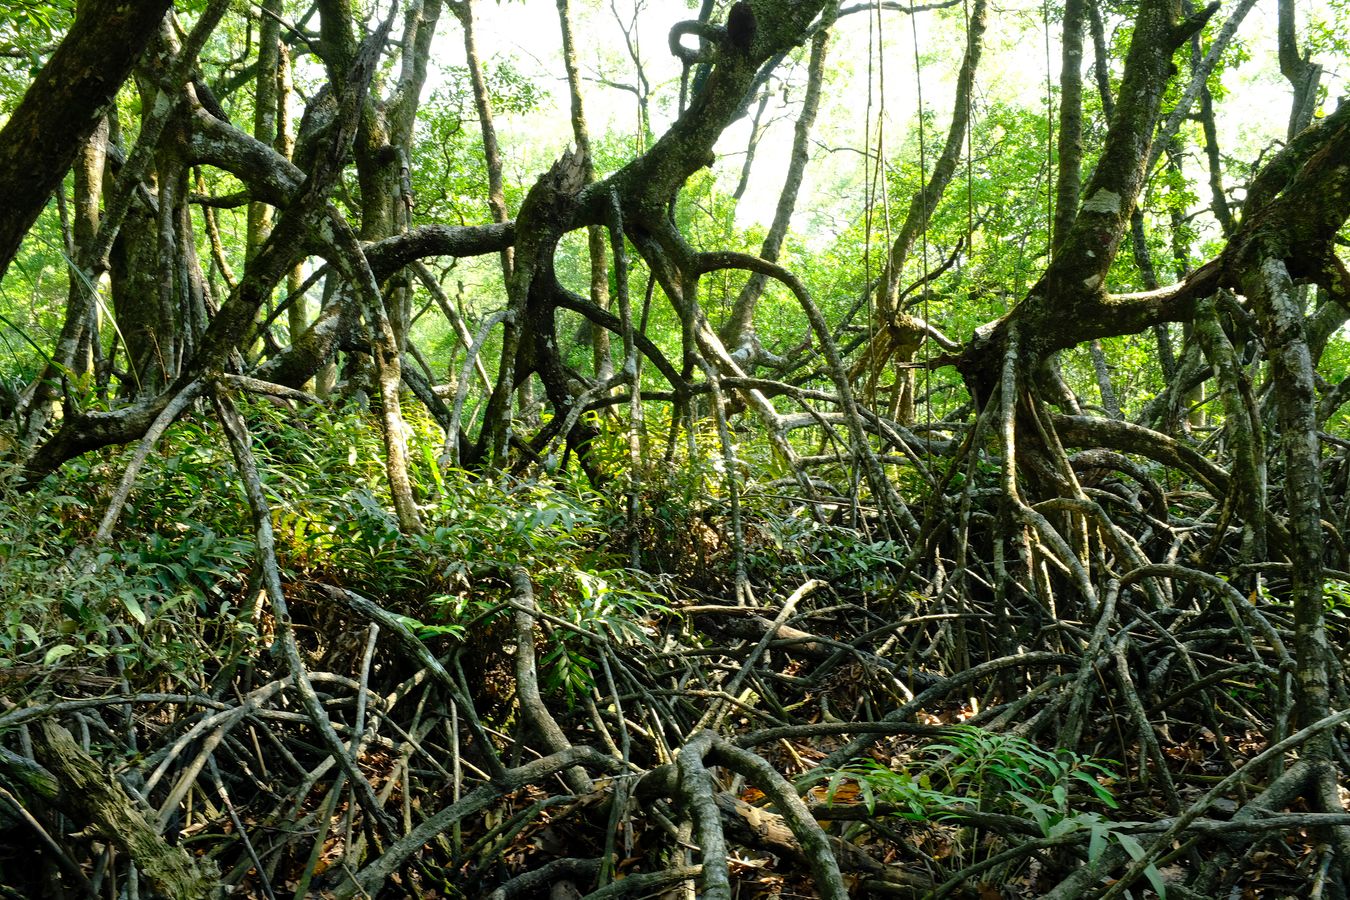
64,105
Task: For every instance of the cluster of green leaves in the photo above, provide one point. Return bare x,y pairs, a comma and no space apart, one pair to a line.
29,30
31,301
169,590
1328,27
994,767
796,548
975,769
170,576
325,473
1335,366
331,510
449,178
972,769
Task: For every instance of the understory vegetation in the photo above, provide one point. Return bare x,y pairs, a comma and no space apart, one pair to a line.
160,650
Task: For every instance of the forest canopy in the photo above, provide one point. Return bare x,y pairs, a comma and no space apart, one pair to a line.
755,449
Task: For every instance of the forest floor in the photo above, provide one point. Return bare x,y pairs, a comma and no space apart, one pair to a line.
506,704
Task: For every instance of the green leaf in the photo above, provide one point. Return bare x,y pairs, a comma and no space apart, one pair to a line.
868,795
1100,792
133,607
1097,843
58,653
1137,852
1131,845
1156,879
1039,811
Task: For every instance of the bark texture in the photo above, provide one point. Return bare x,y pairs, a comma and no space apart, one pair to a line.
64,105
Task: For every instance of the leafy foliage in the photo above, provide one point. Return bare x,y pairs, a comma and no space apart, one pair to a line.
980,770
